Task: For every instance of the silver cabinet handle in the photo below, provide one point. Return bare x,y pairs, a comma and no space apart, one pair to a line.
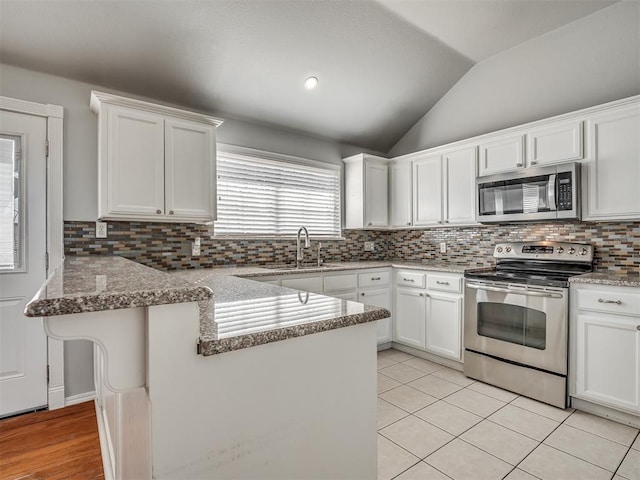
602,300
158,211
408,280
375,278
408,223
442,283
369,224
170,212
518,164
421,294
534,162
638,328
529,293
362,294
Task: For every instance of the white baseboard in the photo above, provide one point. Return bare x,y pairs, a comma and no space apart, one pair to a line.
79,398
428,356
56,397
105,448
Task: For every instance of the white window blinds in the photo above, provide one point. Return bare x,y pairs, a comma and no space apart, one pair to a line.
266,197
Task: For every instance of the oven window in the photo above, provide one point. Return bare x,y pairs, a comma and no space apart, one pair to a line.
513,324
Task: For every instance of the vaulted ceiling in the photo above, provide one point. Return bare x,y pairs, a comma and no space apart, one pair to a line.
381,64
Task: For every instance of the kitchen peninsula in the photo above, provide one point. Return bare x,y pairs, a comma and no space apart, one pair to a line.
181,395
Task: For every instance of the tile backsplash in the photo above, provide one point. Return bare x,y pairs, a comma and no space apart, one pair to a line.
168,246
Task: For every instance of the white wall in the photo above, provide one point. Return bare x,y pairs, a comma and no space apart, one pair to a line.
591,61
81,141
80,166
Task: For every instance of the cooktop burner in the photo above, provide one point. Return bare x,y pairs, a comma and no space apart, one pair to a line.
537,263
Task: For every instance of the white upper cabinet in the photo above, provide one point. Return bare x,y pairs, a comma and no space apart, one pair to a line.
611,170
427,191
459,180
501,154
155,163
558,142
132,174
400,194
366,191
188,147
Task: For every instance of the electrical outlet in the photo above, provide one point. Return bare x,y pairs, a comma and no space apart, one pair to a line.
369,246
443,247
101,229
195,247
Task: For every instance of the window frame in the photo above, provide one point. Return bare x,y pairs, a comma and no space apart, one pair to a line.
239,151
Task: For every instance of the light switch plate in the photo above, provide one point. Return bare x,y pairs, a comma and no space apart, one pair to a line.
101,229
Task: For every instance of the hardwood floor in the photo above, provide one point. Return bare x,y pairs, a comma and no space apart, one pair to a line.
61,444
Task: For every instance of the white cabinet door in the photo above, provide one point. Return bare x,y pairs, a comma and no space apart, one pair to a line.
502,154
612,165
460,186
427,191
134,170
607,366
444,325
409,317
379,298
376,184
190,186
561,142
352,296
401,197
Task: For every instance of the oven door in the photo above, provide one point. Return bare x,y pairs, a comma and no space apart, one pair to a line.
518,323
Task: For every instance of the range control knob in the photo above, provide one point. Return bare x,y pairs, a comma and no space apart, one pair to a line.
571,251
583,251
560,249
508,249
499,249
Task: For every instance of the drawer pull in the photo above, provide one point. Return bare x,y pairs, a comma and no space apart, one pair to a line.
408,280
638,328
375,278
158,211
602,300
362,294
421,294
442,283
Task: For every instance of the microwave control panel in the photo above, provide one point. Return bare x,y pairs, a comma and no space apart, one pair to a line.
565,191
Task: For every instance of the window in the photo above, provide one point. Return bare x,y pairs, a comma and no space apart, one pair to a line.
11,231
264,194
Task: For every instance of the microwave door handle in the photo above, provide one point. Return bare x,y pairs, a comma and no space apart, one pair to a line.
551,192
529,293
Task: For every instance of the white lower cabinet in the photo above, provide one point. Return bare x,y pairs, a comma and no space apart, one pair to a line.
606,346
444,325
428,312
378,297
312,284
410,315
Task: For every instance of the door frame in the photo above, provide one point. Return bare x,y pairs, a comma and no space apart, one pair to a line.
54,115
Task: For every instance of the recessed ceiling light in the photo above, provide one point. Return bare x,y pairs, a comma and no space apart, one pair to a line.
311,83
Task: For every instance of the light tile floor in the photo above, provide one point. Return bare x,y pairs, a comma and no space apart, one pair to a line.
435,423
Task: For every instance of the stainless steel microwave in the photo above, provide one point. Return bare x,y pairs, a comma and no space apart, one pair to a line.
531,194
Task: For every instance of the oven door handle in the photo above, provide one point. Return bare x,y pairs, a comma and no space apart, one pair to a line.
529,293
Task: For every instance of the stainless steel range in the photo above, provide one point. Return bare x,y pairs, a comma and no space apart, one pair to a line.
516,318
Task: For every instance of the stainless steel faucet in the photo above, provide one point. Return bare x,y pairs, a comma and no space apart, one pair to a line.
307,244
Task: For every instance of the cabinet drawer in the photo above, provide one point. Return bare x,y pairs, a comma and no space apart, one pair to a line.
444,283
337,283
373,279
610,301
410,279
306,284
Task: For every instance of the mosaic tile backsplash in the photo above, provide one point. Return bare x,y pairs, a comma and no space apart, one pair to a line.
168,246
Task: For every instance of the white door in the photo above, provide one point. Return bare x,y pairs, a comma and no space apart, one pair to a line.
401,197
135,176
607,368
502,154
23,343
427,191
380,297
460,186
409,315
444,325
376,183
190,177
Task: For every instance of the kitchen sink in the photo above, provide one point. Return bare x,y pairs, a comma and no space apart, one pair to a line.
293,267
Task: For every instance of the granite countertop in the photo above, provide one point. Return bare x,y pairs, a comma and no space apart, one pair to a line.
613,278
247,313
91,284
